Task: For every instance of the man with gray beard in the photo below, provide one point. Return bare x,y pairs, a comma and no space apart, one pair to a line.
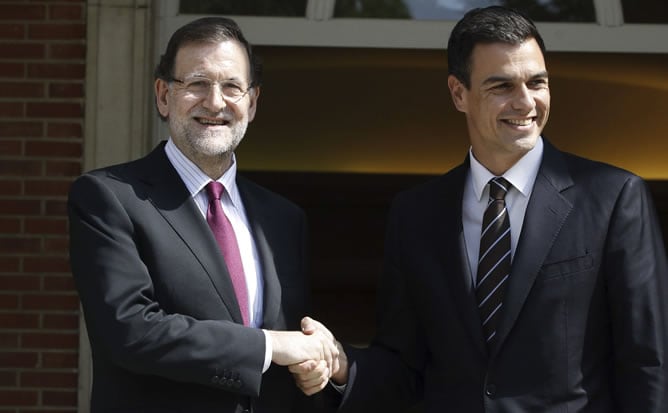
190,277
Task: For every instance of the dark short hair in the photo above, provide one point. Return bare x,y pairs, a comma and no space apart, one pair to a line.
206,30
494,24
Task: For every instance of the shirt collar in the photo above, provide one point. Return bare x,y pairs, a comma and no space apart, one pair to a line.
195,179
522,175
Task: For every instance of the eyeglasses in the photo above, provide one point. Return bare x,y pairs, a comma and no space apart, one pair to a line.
201,87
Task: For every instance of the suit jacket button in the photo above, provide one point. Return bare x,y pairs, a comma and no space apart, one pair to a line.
490,390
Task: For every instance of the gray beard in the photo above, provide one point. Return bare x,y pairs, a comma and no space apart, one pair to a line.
212,144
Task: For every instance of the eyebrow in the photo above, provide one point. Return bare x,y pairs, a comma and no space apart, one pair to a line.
194,74
500,79
205,76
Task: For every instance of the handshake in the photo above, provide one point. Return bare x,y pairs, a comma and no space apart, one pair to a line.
313,356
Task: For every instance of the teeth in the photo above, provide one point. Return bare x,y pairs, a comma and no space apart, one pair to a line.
211,122
519,122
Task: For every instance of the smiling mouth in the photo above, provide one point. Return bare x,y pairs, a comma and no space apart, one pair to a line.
212,122
520,122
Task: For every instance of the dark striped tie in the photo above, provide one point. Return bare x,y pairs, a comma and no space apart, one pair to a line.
494,262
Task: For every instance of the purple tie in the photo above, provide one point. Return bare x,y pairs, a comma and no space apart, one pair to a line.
224,233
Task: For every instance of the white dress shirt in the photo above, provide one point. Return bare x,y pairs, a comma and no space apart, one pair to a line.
195,181
522,176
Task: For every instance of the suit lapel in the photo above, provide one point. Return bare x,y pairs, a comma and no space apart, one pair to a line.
457,272
171,198
546,212
257,217
466,302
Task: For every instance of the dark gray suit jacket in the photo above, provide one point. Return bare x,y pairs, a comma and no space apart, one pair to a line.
584,326
163,321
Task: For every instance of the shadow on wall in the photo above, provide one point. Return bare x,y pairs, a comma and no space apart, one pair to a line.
389,111
347,217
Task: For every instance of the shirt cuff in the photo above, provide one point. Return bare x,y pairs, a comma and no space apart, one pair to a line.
267,352
341,388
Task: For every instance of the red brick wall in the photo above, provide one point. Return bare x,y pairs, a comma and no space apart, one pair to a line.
42,69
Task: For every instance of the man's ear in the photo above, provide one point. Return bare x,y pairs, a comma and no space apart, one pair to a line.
458,93
161,97
254,95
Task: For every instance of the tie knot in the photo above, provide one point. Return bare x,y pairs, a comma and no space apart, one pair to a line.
498,188
214,190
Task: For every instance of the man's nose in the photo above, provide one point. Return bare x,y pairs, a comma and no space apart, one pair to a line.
523,98
215,100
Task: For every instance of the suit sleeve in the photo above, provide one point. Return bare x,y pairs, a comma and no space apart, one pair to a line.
637,279
126,322
387,376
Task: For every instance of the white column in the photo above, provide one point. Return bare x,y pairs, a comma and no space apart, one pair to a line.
119,106
119,93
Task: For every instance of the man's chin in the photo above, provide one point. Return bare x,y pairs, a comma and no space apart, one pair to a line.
215,145
526,143
217,151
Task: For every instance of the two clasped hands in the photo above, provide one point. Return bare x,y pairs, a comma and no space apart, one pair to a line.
313,356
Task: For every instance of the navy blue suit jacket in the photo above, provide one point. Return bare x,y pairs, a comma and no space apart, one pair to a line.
584,326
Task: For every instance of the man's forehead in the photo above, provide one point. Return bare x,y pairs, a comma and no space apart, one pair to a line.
499,57
222,54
